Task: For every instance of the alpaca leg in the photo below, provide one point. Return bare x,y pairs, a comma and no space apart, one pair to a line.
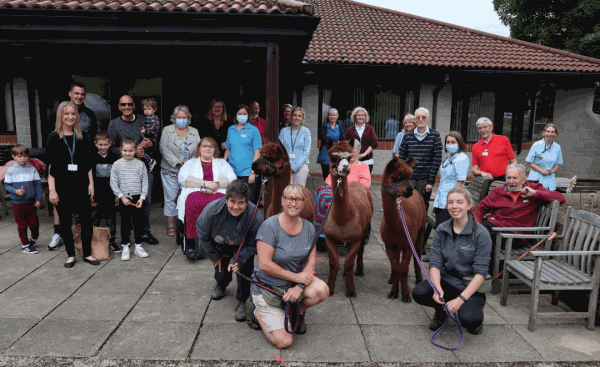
360,266
351,253
404,265
393,253
333,253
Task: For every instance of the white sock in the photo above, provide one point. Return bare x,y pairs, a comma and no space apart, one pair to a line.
125,246
137,245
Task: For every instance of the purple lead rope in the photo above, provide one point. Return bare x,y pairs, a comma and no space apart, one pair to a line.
448,314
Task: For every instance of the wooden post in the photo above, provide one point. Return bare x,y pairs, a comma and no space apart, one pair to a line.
272,104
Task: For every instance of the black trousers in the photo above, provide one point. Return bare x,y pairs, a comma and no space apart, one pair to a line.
420,186
130,215
106,210
470,313
252,187
80,204
325,169
225,277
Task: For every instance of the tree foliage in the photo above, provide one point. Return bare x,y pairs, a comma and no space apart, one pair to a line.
570,25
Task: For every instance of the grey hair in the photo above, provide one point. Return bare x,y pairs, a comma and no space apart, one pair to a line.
517,166
184,109
238,189
408,116
423,109
333,110
356,145
292,187
484,120
551,125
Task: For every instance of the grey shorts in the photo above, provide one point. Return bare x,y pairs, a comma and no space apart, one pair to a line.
273,317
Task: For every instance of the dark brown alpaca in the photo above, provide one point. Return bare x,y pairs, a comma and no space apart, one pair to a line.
274,162
351,212
392,230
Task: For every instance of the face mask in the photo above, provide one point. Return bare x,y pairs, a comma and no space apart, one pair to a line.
181,123
242,119
452,148
255,116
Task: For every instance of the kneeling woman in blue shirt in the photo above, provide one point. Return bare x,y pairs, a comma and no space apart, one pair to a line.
461,248
243,147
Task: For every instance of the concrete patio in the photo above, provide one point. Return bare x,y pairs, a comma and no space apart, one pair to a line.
157,311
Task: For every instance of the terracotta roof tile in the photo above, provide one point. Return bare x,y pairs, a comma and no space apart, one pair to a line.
293,7
373,35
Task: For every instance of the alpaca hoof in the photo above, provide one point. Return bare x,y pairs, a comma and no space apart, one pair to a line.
351,294
392,295
330,293
360,272
406,298
391,280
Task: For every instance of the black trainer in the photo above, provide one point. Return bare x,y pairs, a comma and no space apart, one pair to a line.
478,330
115,248
301,325
218,293
149,239
240,311
251,317
437,322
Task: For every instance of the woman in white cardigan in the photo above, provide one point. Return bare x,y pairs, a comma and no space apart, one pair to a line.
203,179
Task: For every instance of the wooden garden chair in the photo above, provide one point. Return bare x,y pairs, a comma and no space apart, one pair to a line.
574,266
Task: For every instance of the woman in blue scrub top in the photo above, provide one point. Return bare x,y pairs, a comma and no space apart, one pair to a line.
329,130
242,147
296,140
453,174
544,158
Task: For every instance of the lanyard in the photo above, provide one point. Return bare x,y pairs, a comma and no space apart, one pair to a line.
293,142
71,152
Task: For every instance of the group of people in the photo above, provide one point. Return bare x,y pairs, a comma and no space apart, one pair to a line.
215,198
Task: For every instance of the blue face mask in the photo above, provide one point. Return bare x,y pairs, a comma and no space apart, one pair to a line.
452,148
242,119
181,123
255,116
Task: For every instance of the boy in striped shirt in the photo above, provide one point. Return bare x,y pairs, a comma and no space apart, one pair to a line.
129,182
23,183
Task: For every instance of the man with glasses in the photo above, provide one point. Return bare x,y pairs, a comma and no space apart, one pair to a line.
425,145
492,154
129,125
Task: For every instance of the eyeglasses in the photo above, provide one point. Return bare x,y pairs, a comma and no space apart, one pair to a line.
207,147
291,199
126,104
421,118
217,106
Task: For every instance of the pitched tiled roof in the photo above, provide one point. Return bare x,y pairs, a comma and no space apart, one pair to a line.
207,6
356,33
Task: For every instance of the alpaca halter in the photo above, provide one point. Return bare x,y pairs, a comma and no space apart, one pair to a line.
269,165
393,190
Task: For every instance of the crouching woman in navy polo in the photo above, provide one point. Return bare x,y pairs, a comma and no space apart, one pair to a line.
461,249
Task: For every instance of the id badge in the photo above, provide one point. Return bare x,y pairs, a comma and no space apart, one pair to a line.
72,167
243,135
292,156
484,154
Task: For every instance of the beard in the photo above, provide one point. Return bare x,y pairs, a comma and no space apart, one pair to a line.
514,189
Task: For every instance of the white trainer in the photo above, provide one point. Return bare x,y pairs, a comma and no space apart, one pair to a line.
139,251
125,253
55,242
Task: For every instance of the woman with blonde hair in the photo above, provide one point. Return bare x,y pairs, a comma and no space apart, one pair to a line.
297,141
364,133
408,125
216,125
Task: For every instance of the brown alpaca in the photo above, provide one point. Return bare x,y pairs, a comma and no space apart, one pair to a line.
392,230
274,162
351,212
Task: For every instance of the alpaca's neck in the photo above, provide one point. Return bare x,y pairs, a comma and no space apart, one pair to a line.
279,184
341,200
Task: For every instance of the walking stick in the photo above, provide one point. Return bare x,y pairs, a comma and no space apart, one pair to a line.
549,238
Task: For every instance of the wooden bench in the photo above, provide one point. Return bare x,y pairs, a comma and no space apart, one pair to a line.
586,185
575,266
479,189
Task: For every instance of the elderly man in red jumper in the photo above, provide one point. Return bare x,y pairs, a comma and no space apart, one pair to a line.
514,204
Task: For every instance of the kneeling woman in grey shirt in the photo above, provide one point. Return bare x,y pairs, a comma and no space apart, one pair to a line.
283,241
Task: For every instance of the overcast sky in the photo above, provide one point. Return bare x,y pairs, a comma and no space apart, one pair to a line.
476,14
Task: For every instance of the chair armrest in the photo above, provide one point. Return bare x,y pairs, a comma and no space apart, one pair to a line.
563,253
515,235
521,229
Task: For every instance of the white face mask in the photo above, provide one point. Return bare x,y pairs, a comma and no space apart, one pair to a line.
255,116
242,119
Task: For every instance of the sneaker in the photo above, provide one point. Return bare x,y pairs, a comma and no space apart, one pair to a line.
218,293
251,317
437,321
55,242
240,312
125,254
301,325
425,259
115,248
478,330
151,164
29,249
149,239
139,251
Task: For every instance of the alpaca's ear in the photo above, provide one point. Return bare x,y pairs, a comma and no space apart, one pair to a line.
391,166
329,143
411,161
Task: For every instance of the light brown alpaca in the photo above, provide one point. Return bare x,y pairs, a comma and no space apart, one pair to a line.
395,180
274,162
351,212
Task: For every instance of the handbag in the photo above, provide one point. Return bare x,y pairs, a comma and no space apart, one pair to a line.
99,242
486,287
271,298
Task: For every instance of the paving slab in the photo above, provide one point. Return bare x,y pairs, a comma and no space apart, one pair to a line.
109,281
153,263
403,343
184,283
491,317
56,280
91,306
336,310
58,262
12,329
170,308
563,343
516,311
328,343
223,310
10,276
29,304
179,262
233,342
151,340
497,343
378,309
16,259
63,338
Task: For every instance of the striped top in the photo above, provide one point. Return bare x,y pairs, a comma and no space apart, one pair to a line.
427,151
128,178
27,177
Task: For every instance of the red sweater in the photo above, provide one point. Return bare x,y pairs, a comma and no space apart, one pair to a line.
369,139
505,212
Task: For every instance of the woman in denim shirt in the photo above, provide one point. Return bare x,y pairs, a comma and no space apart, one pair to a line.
296,140
329,130
544,158
409,124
